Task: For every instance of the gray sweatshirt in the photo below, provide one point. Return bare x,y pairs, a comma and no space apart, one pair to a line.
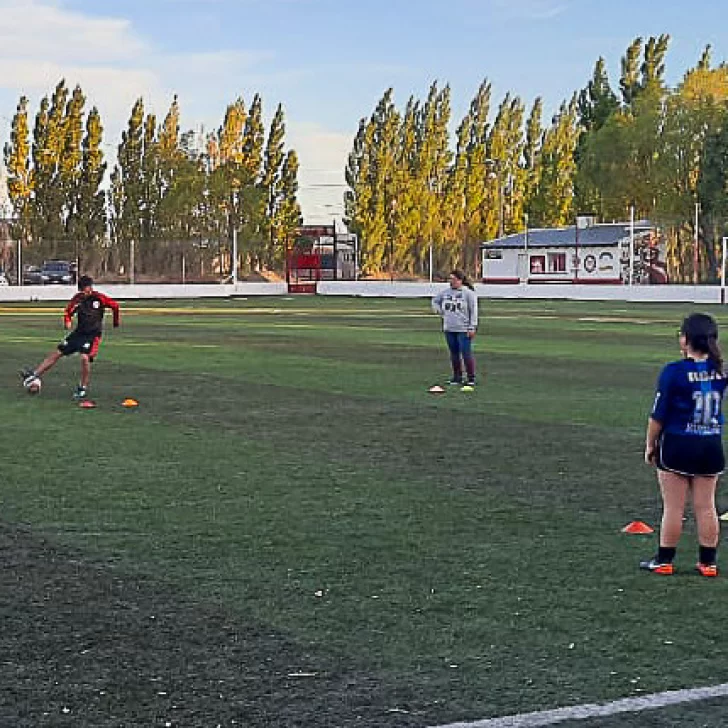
458,308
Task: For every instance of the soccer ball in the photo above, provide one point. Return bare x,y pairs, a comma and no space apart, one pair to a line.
33,386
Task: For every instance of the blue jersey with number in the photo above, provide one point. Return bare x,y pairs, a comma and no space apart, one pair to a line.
689,398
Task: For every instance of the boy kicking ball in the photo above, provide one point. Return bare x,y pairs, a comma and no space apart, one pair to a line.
89,307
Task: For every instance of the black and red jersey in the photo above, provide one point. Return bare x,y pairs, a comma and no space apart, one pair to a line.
89,311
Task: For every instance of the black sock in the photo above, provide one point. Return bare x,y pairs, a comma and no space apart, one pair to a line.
707,554
666,554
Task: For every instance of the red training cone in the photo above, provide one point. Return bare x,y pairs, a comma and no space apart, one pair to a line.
638,527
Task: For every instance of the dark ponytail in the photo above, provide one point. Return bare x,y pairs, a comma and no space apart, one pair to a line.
701,334
714,353
460,275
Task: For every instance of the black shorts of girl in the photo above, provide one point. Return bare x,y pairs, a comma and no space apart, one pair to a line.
691,455
80,343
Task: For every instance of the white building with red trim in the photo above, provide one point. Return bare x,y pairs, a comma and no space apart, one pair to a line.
588,252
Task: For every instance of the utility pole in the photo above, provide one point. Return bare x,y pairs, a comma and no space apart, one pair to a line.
696,249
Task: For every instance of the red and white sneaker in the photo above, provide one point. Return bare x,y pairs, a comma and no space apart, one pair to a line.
709,570
657,567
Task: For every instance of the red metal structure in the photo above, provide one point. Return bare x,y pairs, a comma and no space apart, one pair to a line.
320,253
304,259
303,271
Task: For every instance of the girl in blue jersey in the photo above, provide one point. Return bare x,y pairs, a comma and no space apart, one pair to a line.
684,441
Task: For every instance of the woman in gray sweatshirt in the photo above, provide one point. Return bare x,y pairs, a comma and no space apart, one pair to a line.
458,306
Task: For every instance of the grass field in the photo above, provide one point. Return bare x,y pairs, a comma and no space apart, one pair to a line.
290,531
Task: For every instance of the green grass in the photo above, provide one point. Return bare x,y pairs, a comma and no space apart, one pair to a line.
466,549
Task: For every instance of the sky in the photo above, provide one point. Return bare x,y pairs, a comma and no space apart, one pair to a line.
327,61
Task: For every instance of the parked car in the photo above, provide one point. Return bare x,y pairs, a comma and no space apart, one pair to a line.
58,272
32,276
3,279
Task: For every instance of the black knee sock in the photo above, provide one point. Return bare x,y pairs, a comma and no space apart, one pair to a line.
707,554
666,554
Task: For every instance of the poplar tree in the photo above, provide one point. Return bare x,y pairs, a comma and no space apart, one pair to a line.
456,251
250,197
552,203
128,187
88,225
597,104
504,196
358,197
253,142
16,155
229,142
629,83
531,154
433,164
50,189
383,180
70,168
479,167
288,213
151,194
653,65
270,183
407,217
43,173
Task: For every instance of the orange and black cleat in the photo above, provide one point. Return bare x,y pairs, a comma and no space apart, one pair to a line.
709,570
657,567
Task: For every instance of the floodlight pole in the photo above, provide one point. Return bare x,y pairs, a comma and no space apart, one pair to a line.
234,221
336,252
356,257
722,271
631,245
131,262
696,250
235,254
20,261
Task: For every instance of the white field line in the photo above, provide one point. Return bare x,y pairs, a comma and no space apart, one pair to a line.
655,701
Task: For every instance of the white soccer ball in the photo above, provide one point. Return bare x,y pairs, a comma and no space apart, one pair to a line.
33,386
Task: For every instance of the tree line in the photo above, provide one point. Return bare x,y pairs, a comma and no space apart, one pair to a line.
168,194
412,185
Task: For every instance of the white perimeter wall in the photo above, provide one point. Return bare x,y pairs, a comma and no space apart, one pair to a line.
579,292
387,289
127,292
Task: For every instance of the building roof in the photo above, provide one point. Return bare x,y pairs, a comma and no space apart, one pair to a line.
596,235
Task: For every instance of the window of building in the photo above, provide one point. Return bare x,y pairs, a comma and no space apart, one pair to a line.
538,264
557,262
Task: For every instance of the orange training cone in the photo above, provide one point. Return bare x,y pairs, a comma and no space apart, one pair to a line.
638,527
436,389
129,402
87,404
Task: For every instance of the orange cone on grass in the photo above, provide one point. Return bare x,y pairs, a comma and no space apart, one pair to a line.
639,527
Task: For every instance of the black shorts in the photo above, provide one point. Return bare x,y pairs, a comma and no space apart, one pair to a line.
690,455
78,343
